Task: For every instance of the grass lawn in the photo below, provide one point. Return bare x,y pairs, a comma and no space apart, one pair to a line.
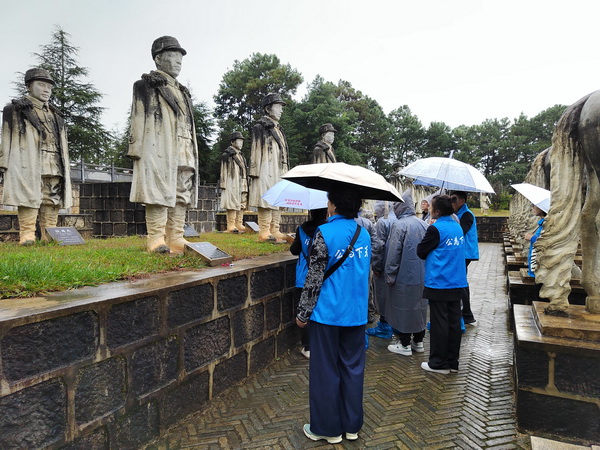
42,268
491,212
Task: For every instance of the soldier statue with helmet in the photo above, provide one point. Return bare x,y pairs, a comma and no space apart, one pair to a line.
164,150
268,161
323,151
233,183
34,155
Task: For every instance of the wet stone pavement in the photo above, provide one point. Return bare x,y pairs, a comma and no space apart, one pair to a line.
405,407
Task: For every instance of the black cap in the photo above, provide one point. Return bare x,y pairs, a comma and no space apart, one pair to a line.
38,74
326,127
269,99
235,135
165,43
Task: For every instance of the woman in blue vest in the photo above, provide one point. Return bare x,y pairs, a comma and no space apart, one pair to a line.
532,237
469,227
300,247
335,300
443,249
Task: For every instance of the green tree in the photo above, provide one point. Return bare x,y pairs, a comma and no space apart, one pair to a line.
320,105
243,87
76,100
439,140
208,155
407,135
370,131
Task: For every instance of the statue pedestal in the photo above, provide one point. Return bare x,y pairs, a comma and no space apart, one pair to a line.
557,372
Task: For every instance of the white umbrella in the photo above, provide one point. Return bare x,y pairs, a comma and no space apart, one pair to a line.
335,176
447,173
292,195
540,197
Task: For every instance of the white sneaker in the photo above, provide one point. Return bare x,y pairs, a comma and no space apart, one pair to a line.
352,436
417,346
397,347
425,366
305,353
315,437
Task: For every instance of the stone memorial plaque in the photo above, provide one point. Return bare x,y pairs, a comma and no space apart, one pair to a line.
252,227
65,235
209,253
189,231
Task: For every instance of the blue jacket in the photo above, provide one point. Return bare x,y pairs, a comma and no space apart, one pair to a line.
445,265
536,235
302,264
471,245
344,297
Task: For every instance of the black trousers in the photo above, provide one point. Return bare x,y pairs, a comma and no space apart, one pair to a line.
445,334
467,314
405,337
305,337
337,372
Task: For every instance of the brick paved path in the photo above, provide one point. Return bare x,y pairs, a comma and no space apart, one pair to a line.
405,407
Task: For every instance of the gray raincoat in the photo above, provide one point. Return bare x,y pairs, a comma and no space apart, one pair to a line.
405,309
382,230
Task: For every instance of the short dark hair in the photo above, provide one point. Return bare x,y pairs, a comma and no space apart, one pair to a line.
347,202
460,194
318,216
443,205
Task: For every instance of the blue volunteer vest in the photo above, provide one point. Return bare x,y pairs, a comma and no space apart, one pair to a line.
445,266
471,246
344,297
536,235
302,264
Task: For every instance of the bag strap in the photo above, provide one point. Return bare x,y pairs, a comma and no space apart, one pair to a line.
339,262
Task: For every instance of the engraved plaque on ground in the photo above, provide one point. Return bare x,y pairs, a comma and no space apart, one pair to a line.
65,235
209,253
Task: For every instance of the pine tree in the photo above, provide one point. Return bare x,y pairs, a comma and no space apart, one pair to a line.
76,100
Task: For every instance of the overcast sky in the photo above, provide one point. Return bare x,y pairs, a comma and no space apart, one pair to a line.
456,61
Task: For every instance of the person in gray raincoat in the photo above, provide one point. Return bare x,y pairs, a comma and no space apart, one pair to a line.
382,231
405,309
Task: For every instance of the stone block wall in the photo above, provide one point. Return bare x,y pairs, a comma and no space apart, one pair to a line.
114,366
491,229
114,215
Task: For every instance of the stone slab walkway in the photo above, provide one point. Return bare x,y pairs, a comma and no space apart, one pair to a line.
405,407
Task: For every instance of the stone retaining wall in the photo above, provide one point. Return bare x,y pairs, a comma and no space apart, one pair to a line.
114,366
491,229
114,215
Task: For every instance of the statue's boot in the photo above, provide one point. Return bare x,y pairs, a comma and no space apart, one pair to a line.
264,223
156,219
175,229
239,221
230,214
48,218
275,223
27,217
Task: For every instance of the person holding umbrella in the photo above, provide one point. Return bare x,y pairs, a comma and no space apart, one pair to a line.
540,205
335,300
301,248
469,227
443,249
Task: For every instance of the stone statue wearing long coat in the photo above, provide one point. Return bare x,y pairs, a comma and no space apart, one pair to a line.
233,182
164,149
34,155
268,161
405,308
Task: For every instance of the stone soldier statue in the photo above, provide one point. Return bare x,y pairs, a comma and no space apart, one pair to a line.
323,152
268,161
35,156
164,149
233,183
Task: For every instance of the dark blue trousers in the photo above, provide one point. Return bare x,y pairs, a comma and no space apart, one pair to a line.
337,372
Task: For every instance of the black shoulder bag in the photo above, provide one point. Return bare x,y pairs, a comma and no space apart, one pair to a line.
339,262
